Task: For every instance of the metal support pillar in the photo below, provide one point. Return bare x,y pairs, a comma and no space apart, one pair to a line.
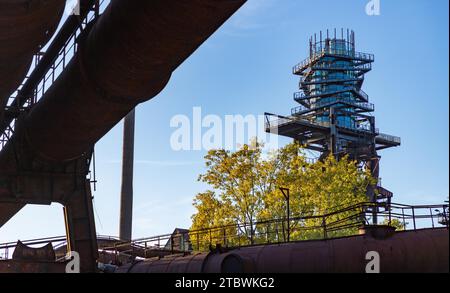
333,133
286,194
375,172
371,194
80,228
43,183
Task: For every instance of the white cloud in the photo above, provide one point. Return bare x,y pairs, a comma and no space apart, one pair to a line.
158,163
247,19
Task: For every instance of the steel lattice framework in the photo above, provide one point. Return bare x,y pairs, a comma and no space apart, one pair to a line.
335,115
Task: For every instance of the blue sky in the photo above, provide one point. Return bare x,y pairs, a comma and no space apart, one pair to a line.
245,68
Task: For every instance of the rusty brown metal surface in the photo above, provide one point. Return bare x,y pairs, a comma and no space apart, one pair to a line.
80,228
16,267
8,210
170,264
127,58
26,253
25,25
39,183
421,251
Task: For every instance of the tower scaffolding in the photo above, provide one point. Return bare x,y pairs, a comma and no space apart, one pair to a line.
335,115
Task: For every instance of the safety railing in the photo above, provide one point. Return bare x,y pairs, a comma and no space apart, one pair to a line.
338,222
273,125
361,127
6,136
362,94
69,50
389,138
63,58
60,242
299,68
7,249
300,97
304,81
364,67
277,122
347,101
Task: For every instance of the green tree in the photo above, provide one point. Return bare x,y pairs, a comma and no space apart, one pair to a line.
287,168
211,213
245,190
331,186
396,223
241,184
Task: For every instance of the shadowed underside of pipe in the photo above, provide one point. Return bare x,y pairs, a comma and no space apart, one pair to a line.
7,211
126,58
25,25
422,251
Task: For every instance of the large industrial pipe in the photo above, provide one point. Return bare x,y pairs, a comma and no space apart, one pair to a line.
423,251
126,58
25,26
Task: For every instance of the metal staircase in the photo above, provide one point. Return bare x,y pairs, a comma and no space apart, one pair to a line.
334,115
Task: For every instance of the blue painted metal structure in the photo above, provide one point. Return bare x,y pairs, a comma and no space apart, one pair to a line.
335,115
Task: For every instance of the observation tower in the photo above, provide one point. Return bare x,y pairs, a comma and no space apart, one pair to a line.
334,115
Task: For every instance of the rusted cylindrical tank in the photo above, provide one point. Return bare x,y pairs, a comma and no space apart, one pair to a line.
126,58
422,251
25,26
171,264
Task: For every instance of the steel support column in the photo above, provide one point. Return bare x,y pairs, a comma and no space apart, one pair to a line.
333,133
43,183
80,228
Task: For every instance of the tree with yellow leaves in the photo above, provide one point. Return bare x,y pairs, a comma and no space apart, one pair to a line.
246,190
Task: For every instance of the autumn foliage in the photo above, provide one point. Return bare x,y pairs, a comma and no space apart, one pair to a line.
245,190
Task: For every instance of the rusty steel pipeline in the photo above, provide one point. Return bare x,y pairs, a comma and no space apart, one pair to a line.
421,251
25,27
126,58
